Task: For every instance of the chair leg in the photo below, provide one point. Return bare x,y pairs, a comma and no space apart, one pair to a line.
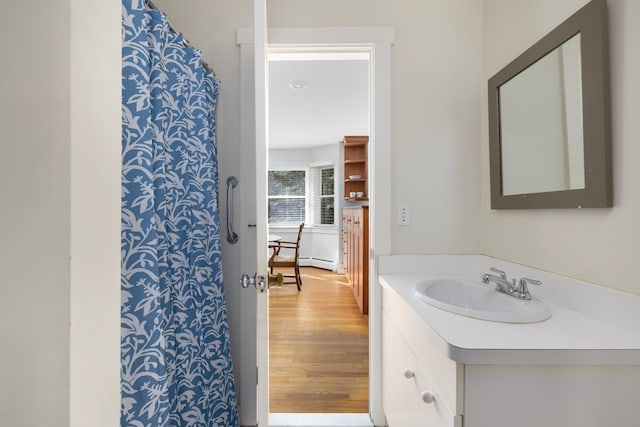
298,277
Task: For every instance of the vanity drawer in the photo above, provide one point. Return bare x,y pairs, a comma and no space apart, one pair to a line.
406,384
445,374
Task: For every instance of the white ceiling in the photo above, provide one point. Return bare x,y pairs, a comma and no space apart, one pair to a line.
333,104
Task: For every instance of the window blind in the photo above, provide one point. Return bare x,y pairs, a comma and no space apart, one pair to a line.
322,198
286,197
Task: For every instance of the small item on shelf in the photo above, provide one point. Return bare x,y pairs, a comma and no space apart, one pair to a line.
359,194
352,194
355,176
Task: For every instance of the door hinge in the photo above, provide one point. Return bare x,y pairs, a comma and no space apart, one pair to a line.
257,376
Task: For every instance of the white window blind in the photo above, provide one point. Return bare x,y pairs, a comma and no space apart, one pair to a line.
287,197
297,196
322,195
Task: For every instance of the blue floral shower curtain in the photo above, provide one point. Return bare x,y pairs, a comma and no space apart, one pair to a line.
176,359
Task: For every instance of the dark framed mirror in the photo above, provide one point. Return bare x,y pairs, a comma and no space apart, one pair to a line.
549,120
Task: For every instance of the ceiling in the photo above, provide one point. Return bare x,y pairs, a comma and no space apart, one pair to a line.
333,101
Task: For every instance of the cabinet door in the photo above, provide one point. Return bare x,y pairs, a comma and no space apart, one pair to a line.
345,244
404,381
351,249
363,258
356,250
346,225
357,255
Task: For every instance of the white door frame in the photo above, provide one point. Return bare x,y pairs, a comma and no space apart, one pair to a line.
261,108
379,39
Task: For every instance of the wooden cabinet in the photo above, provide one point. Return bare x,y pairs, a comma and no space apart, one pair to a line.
355,251
356,160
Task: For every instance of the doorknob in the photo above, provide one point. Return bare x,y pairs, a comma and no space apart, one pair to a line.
258,281
276,279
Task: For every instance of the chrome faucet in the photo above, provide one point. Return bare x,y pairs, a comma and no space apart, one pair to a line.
516,289
502,283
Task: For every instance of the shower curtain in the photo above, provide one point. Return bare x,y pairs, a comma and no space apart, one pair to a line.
176,367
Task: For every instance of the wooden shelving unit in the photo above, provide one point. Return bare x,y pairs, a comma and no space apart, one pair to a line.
356,161
355,251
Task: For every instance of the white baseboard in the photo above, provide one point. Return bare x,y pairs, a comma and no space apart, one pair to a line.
317,262
319,420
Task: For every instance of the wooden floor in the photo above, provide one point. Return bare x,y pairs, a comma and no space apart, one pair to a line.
318,347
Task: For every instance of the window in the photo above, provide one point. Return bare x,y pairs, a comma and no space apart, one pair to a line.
298,195
287,197
324,200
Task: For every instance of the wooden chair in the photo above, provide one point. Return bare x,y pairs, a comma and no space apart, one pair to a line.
279,260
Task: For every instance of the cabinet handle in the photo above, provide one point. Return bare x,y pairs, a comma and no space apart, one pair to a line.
428,397
408,373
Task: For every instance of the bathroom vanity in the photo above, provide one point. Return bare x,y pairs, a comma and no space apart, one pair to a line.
581,367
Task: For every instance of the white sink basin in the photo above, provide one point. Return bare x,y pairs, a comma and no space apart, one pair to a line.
480,301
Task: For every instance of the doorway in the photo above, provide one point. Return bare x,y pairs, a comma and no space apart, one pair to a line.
378,40
318,338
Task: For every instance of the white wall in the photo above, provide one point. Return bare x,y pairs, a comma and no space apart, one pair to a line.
280,157
436,90
60,189
34,214
95,212
596,245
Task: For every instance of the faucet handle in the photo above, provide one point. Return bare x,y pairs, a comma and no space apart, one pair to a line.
501,273
526,280
523,290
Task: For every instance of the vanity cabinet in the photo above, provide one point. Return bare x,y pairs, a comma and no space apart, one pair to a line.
355,244
410,395
415,360
413,370
356,160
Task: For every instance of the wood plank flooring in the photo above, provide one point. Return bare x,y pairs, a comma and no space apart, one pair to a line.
318,347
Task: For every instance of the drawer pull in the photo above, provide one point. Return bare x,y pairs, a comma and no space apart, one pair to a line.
427,397
408,373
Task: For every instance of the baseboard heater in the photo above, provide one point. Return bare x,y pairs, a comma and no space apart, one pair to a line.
326,264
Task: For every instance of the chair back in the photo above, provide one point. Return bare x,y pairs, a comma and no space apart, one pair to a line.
298,240
278,261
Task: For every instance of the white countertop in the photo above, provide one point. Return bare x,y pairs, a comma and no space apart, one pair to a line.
567,338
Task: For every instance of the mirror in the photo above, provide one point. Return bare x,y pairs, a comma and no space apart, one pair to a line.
549,128
541,124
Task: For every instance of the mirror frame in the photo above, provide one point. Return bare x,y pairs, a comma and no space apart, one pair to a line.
591,23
